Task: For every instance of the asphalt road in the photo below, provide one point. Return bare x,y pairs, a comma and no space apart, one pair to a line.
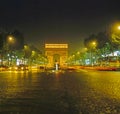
66,92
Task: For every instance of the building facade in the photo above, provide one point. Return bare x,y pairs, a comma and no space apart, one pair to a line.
56,54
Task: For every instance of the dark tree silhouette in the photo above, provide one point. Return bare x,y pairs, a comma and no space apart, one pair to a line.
19,40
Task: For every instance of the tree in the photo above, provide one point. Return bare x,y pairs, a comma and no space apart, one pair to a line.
102,39
19,40
114,34
116,38
2,39
88,41
27,51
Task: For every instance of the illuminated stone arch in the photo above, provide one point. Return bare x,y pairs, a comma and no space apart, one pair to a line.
56,53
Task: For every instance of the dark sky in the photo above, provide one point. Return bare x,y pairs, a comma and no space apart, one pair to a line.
58,21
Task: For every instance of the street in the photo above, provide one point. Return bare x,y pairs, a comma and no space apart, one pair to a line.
64,92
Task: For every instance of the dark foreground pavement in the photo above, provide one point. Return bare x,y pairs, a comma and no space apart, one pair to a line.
83,92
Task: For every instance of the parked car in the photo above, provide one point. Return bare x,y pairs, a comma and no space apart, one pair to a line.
3,68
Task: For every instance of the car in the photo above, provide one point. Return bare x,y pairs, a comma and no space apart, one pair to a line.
3,67
21,67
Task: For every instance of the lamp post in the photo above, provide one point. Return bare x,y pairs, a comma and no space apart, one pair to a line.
119,45
93,46
84,56
27,54
10,42
115,37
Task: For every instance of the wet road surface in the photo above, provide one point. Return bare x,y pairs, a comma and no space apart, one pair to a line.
76,92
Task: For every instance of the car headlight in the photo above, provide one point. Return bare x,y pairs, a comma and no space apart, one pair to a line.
22,68
16,68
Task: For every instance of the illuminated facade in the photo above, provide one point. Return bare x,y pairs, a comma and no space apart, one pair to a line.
56,53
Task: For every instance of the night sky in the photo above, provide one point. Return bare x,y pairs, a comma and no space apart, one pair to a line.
58,21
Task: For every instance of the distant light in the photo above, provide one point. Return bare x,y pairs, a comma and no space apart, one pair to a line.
119,27
94,43
10,38
78,52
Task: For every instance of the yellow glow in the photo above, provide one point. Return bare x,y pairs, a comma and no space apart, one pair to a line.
56,45
94,43
115,27
10,38
73,55
78,52
118,27
85,49
16,68
25,46
33,52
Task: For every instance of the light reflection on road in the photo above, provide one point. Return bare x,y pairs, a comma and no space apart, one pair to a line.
81,92
106,82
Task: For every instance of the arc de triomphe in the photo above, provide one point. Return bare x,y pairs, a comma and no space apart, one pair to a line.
56,53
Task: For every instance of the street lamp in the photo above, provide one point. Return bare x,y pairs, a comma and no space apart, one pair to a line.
118,27
119,43
10,42
10,38
27,54
93,46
